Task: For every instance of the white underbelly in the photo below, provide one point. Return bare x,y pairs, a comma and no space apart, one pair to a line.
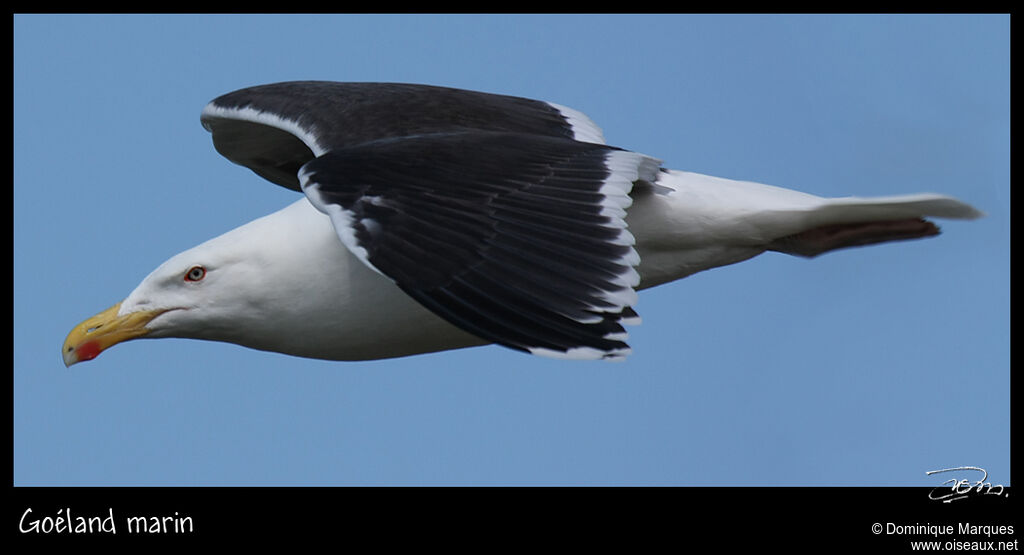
357,314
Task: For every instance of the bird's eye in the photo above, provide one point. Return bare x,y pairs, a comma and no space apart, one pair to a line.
195,273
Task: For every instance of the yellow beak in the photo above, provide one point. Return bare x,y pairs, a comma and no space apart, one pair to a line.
104,330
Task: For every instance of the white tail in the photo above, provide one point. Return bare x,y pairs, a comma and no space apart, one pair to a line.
690,222
856,209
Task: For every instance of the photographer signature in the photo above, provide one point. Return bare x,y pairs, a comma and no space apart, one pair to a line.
962,488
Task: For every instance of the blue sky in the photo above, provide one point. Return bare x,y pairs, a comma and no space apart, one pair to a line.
863,367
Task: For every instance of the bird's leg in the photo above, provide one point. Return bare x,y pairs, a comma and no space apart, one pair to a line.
827,238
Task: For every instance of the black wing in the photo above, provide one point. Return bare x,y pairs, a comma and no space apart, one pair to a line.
519,239
505,216
274,129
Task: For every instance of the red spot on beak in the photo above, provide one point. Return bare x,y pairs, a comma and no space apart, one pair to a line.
88,350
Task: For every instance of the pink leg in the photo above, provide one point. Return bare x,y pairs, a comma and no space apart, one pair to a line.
831,237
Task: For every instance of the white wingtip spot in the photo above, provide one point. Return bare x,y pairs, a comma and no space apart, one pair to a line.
583,353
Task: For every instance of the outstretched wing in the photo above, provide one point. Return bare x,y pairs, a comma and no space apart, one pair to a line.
274,129
504,216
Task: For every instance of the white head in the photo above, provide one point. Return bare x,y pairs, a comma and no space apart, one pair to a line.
236,287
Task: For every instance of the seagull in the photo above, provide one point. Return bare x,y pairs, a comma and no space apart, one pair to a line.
435,218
